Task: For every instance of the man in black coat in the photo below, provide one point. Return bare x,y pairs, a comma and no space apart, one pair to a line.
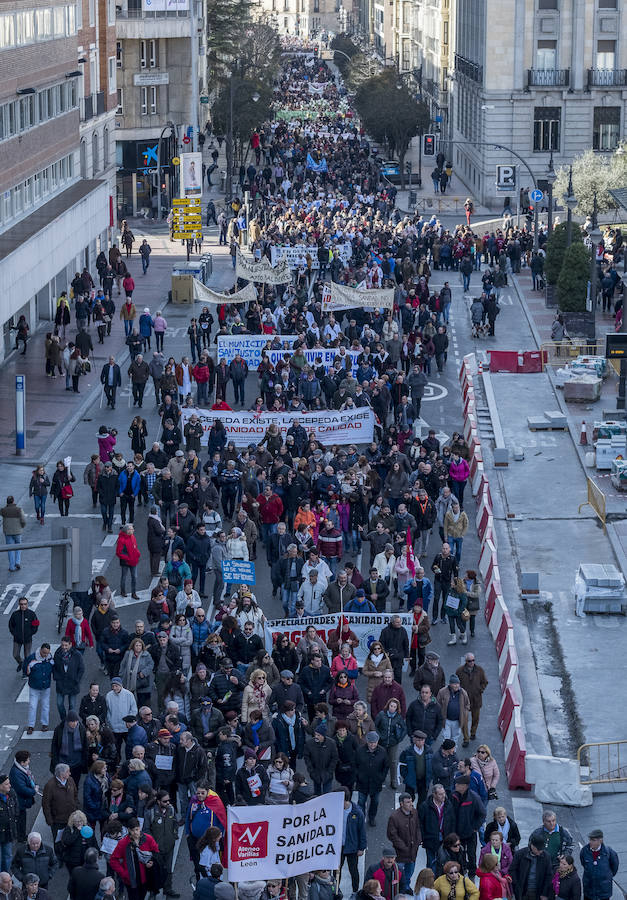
396,644
164,650
315,681
9,811
107,495
321,758
111,380
34,856
68,670
197,552
69,746
532,861
377,590
437,819
424,714
372,767
85,880
444,764
23,624
470,815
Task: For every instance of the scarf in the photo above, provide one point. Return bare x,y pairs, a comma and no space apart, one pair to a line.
68,749
133,672
557,878
453,891
290,721
255,727
78,631
376,658
456,515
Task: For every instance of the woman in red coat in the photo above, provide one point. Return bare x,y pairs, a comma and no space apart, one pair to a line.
133,858
491,883
127,552
78,630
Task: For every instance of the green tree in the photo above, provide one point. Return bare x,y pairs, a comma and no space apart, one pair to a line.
555,249
593,172
360,69
252,105
346,47
224,37
390,114
572,284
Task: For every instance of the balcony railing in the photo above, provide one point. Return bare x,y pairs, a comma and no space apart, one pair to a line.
468,68
548,78
138,13
92,105
607,78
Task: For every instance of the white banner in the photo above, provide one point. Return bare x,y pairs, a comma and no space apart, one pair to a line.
251,347
294,255
263,272
281,841
204,294
329,426
191,174
366,626
343,297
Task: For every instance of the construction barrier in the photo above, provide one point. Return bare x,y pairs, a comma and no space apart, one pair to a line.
508,661
532,362
509,702
515,753
503,360
487,558
470,425
502,634
484,509
477,478
498,614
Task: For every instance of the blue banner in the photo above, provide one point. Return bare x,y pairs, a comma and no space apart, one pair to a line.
238,571
314,166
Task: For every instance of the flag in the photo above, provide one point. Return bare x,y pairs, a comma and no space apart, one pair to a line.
314,166
411,563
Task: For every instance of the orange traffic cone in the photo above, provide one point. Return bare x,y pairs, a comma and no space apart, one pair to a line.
480,369
583,437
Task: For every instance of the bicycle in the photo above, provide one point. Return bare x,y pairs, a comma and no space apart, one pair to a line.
62,609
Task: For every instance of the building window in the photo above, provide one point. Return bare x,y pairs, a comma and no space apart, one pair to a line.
316,6
606,54
153,101
547,4
120,109
607,4
153,54
546,128
105,148
142,54
110,12
143,96
83,154
92,12
112,75
547,55
7,31
95,156
119,55
445,32
606,132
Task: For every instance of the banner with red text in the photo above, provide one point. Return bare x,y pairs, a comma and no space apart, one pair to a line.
281,841
329,426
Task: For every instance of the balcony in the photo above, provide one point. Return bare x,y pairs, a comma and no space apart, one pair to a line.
468,68
92,105
551,78
133,23
607,78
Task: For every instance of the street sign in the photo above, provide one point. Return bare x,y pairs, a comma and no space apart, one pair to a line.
176,161
536,195
204,99
616,345
186,139
505,178
186,235
189,202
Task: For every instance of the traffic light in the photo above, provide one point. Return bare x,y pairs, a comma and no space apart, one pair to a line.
316,52
428,148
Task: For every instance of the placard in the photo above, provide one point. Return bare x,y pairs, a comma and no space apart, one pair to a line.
238,571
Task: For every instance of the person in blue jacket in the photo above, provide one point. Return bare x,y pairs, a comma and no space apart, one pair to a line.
145,327
354,839
95,791
38,669
477,784
23,784
129,484
600,865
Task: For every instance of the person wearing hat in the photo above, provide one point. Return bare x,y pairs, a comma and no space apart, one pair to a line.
321,757
360,603
470,813
251,780
403,830
287,690
531,872
387,873
163,746
69,745
600,865
186,522
415,766
205,722
372,767
431,673
455,706
227,687
444,764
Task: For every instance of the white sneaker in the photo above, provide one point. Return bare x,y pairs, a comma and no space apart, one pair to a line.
464,638
453,640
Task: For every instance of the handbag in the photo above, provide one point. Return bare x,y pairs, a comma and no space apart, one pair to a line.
66,492
465,615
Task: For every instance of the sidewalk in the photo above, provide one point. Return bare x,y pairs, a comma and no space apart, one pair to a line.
45,418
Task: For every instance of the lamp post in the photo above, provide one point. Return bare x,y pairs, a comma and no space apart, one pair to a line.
172,127
229,142
571,203
594,235
550,179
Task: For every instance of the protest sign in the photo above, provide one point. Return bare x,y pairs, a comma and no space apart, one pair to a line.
294,255
251,347
329,426
238,571
366,626
282,841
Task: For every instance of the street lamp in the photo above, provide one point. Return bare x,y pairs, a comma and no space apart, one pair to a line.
550,178
571,203
172,128
594,235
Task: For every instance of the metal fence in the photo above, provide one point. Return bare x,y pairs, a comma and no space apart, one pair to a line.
559,353
602,763
596,500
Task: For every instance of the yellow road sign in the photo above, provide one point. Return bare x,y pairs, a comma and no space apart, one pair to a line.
186,202
176,161
186,235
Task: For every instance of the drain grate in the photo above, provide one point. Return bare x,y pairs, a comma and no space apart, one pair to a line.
45,424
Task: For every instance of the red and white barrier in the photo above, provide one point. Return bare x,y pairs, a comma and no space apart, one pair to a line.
470,404
502,634
515,753
478,478
498,614
511,700
487,560
484,511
